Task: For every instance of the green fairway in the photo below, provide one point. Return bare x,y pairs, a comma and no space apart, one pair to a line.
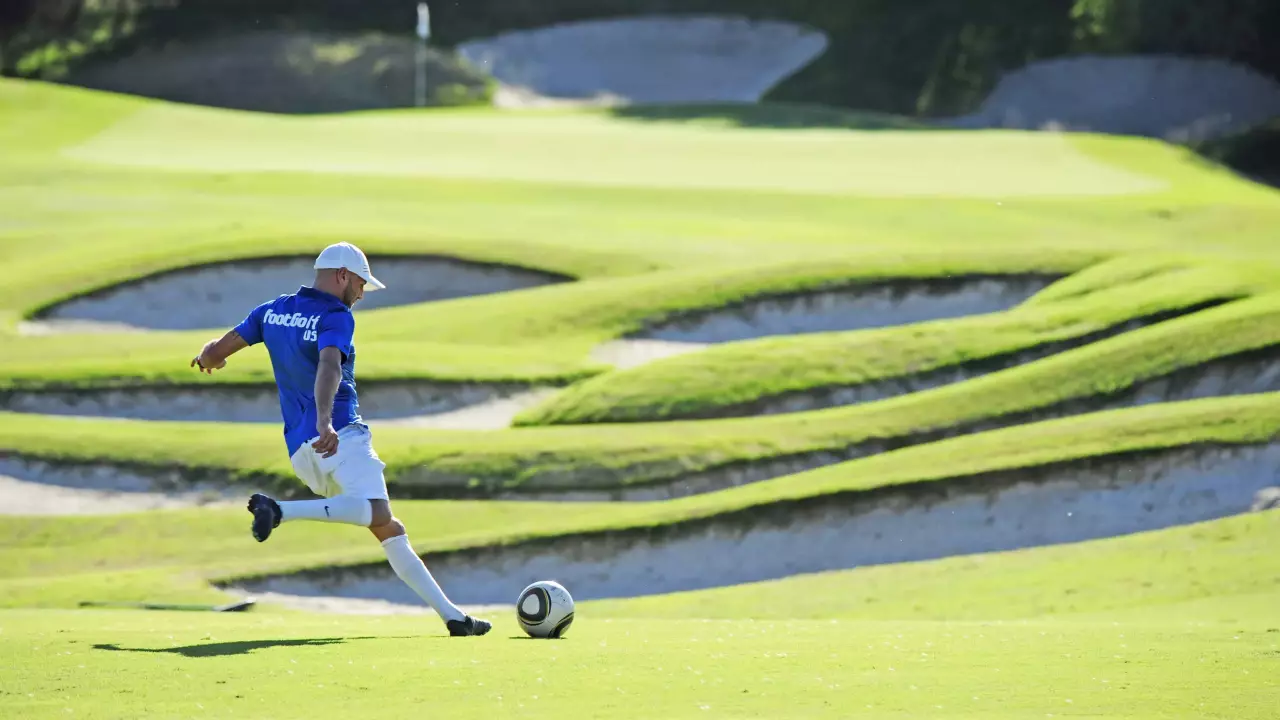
104,665
1008,635
1157,330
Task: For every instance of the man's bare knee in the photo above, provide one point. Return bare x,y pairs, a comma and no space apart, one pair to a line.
381,513
384,525
388,530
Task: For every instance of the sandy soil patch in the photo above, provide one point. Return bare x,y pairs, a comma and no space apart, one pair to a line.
873,305
474,405
1030,507
38,488
1177,99
651,59
630,353
219,295
495,414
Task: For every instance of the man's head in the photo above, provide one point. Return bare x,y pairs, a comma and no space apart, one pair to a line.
343,270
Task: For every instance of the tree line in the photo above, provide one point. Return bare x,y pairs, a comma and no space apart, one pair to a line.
919,57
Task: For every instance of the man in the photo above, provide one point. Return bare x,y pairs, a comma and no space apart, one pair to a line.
309,336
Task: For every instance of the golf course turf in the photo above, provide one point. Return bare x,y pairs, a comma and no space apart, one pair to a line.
1152,327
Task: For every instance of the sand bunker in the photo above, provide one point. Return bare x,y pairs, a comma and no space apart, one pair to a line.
623,354
873,305
1177,99
1266,499
1030,507
471,405
495,413
220,295
842,395
650,59
30,487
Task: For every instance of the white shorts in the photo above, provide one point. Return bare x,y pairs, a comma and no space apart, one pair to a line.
354,471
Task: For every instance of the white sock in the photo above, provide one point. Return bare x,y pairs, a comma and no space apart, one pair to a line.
414,573
339,509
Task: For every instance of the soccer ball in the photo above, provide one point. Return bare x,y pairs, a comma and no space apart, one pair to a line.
545,609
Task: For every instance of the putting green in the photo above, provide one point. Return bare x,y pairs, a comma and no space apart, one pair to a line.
597,150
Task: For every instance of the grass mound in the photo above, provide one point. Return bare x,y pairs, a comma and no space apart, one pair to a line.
755,376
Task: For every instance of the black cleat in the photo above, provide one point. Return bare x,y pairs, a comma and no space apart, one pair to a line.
468,626
266,515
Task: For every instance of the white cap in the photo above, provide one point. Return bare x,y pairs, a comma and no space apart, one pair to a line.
346,255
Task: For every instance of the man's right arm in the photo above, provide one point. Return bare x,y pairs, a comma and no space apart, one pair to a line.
334,341
328,375
215,352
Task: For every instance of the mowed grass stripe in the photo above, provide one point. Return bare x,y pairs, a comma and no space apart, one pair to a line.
1248,420
214,544
733,378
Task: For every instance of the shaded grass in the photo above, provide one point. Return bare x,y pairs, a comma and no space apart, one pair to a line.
775,115
1254,152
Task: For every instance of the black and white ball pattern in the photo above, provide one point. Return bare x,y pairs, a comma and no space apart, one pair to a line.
545,609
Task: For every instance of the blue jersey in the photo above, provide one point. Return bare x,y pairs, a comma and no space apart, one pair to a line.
295,328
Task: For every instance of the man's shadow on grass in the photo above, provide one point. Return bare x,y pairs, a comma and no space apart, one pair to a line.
222,649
